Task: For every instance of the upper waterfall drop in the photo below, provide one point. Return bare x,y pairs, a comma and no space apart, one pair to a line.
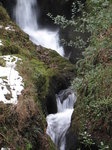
26,17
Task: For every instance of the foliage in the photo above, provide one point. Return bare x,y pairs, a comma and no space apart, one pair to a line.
94,72
94,76
103,146
86,140
92,17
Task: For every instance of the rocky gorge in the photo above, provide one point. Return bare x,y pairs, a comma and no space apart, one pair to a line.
45,73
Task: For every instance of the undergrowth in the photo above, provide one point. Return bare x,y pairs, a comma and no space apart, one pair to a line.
94,79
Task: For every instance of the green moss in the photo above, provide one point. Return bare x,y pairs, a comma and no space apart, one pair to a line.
10,49
51,145
41,81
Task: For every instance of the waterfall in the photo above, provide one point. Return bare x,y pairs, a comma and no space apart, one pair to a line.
26,17
59,123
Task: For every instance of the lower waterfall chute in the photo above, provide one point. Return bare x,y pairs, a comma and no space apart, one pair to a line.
59,123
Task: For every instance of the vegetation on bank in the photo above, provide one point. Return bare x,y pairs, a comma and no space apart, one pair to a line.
92,117
93,110
23,126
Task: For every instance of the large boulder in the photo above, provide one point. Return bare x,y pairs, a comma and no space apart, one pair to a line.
60,73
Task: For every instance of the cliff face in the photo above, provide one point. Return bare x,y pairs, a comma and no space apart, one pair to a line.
44,73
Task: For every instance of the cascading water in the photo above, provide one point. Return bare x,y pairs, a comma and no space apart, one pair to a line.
25,14
59,123
26,18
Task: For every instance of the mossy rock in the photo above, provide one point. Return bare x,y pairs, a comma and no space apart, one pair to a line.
60,72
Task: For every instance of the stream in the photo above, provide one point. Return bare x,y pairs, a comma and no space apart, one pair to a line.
59,123
26,17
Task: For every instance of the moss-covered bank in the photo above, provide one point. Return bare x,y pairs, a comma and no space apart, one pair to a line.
44,72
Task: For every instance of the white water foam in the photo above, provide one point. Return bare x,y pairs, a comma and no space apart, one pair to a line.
59,123
26,18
